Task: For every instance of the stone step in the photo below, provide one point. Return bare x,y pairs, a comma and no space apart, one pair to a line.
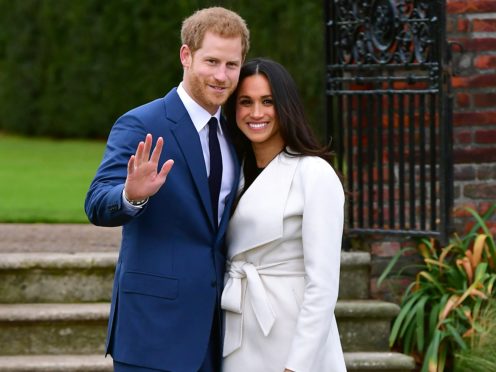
364,325
43,277
56,363
355,275
81,328
378,362
56,277
53,328
357,362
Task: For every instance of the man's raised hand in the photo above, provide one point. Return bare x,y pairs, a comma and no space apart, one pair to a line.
143,179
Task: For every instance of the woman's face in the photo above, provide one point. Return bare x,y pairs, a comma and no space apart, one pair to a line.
255,112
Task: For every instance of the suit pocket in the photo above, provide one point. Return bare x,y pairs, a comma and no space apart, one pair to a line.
150,285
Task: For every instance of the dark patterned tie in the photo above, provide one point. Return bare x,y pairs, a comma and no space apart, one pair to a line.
215,177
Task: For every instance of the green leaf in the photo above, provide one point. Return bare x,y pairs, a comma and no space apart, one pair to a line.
456,336
481,224
405,309
480,271
433,280
420,311
391,264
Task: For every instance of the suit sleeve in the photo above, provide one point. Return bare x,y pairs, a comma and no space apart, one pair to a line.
103,204
322,229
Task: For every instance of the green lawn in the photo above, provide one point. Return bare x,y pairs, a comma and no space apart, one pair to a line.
43,180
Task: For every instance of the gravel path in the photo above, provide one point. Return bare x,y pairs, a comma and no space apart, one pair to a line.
70,238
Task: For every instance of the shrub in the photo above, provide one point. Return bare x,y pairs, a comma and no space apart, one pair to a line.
452,288
480,356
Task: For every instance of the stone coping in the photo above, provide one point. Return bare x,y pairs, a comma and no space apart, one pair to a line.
379,361
55,260
365,309
58,238
54,312
56,363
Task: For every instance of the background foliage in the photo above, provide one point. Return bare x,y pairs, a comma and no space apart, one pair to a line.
70,68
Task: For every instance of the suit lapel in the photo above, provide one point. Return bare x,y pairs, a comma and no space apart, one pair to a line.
188,141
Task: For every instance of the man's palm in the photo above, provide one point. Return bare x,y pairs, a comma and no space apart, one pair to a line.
143,180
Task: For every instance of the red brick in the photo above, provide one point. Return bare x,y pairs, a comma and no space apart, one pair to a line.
464,172
486,137
457,24
477,44
474,81
484,25
450,25
480,191
485,99
470,6
484,207
463,100
463,25
460,211
385,249
474,118
486,171
485,61
463,137
471,155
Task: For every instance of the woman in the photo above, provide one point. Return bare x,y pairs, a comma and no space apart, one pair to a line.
284,237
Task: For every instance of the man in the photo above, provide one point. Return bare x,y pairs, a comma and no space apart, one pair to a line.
173,203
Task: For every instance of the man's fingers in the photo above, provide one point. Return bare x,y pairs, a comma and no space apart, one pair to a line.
130,165
147,147
166,169
157,150
139,154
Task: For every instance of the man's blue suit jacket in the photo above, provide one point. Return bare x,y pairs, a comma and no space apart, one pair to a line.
169,275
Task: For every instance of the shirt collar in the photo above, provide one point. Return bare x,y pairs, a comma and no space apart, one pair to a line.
199,116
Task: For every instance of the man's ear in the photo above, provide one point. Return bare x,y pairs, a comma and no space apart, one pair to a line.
186,56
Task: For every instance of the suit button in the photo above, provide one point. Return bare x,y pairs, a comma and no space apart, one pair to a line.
213,283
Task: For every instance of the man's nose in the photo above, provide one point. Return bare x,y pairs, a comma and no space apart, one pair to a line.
221,73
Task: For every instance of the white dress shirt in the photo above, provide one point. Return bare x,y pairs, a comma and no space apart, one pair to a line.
200,117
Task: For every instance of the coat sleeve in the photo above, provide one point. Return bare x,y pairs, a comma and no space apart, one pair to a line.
322,229
103,204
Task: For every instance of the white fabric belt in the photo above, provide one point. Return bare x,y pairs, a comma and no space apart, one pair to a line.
233,299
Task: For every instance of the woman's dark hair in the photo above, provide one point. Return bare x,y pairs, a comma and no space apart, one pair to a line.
293,124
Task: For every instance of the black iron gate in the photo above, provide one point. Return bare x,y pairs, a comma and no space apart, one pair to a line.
389,112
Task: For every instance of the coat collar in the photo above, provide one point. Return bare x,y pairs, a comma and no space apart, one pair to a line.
258,219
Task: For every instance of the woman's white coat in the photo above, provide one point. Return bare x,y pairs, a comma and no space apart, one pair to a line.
284,247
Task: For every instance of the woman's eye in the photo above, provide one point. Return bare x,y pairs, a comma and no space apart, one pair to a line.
244,102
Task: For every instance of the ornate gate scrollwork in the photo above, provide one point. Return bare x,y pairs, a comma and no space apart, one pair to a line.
389,112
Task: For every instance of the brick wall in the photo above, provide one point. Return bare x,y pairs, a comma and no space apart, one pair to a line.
472,24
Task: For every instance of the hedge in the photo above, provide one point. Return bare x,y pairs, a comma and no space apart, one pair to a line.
69,68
